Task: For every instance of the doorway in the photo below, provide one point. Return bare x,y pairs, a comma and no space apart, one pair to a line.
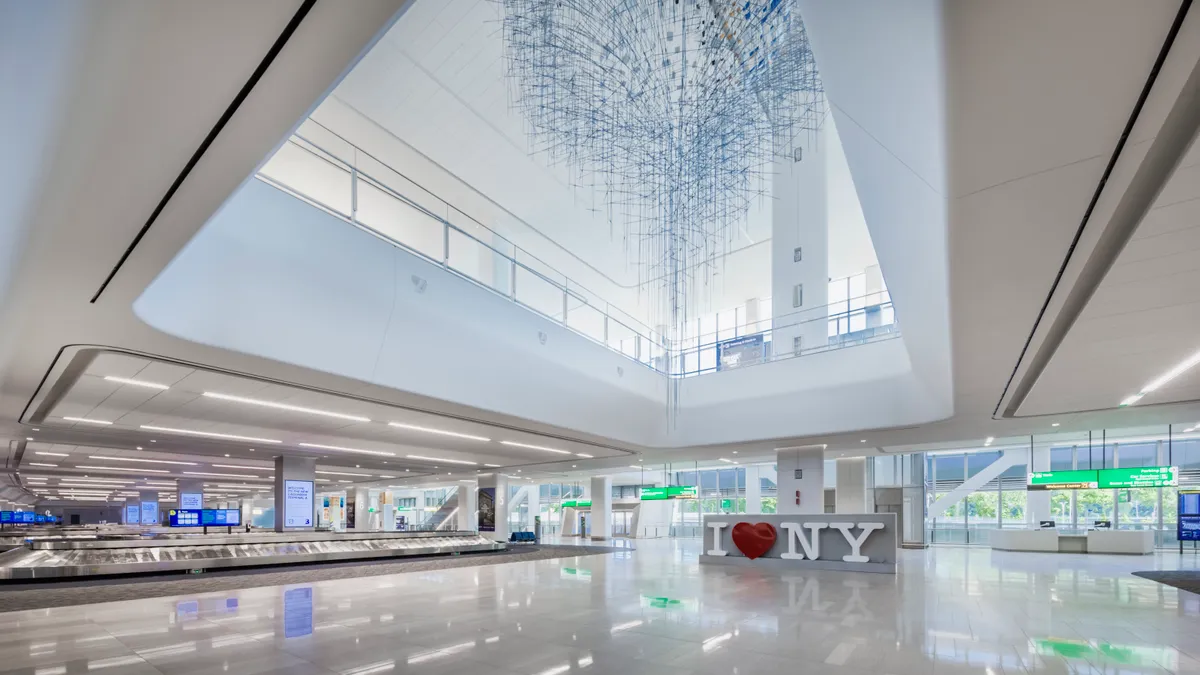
622,521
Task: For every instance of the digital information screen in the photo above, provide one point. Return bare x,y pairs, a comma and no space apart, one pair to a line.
133,514
1063,480
297,503
150,513
204,517
191,500
6,516
1140,477
24,517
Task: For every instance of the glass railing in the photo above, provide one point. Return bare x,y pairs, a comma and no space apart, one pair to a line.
320,167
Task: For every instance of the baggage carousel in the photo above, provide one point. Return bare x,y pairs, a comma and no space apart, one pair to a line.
71,558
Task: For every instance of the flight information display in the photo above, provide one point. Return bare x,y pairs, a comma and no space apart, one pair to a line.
204,517
25,517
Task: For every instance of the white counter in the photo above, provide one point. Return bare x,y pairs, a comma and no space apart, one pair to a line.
1024,540
1137,542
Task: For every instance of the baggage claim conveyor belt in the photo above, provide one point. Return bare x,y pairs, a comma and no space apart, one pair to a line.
60,559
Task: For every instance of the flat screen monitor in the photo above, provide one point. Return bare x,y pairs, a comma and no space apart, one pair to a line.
298,503
150,513
133,514
6,516
191,500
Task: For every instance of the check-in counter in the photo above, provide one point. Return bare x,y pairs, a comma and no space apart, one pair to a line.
1025,540
1130,542
1135,542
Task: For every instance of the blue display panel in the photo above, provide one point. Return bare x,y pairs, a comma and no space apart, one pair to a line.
1189,503
1187,526
133,514
204,517
6,516
25,517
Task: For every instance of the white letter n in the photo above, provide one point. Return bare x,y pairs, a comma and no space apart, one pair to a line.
811,544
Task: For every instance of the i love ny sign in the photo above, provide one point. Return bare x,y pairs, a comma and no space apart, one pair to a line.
756,540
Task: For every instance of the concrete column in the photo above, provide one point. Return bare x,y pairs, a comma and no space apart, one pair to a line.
1037,502
533,507
299,469
601,518
800,220
801,471
493,506
148,504
853,489
387,511
468,507
191,488
754,489
362,509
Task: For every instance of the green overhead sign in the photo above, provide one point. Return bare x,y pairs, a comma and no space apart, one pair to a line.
1136,477
670,492
573,504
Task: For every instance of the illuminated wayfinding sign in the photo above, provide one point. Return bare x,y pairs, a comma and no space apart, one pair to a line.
1135,477
669,492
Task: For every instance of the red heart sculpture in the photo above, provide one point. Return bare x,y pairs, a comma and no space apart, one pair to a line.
754,540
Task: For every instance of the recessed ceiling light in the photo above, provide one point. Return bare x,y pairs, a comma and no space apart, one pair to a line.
494,466
440,432
1055,424
735,452
40,464
284,406
135,383
440,459
87,421
534,447
341,473
863,441
29,439
138,459
241,466
218,475
209,434
121,469
634,466
584,455
37,429
342,449
727,461
574,466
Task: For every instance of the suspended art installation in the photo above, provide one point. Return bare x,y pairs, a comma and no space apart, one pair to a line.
672,111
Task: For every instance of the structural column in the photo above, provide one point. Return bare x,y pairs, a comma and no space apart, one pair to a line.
189,494
1037,502
801,480
753,489
493,506
468,507
533,505
601,517
853,488
290,503
149,507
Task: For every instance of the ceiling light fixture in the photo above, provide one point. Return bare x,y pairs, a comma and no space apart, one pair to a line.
727,461
1055,424
494,466
140,460
242,466
440,432
136,383
634,466
284,406
534,447
440,459
219,475
52,454
1181,368
583,454
209,434
341,473
121,469
342,449
87,421
41,464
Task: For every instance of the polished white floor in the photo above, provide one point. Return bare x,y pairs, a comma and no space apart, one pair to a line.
653,610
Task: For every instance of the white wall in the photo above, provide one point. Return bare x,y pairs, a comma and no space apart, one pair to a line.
811,483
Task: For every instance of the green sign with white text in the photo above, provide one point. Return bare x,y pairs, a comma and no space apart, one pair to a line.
670,492
1063,480
1140,477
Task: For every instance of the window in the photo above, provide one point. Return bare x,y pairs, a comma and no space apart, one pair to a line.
797,254
798,295
406,503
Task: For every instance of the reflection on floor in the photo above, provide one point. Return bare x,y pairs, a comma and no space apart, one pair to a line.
653,610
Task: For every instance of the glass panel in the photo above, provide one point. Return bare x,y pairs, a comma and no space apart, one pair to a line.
1012,510
858,291
399,221
727,325
1138,507
308,173
587,320
479,262
1094,505
708,358
542,296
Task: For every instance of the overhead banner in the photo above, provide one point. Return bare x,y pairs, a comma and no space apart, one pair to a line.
297,503
487,509
740,352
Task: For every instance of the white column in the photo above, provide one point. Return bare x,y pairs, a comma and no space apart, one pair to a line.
753,489
601,518
801,472
493,505
296,469
1037,502
362,509
533,506
800,220
467,507
851,487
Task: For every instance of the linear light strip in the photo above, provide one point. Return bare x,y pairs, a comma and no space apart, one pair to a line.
121,469
342,473
318,446
209,434
52,454
136,383
221,475
1179,369
243,466
285,406
534,447
440,432
140,460
85,420
441,459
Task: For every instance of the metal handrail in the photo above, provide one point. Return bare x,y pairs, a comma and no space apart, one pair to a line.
650,348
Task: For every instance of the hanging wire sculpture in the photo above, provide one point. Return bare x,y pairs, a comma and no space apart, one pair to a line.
672,111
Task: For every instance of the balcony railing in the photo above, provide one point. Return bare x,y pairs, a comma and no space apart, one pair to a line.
325,170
